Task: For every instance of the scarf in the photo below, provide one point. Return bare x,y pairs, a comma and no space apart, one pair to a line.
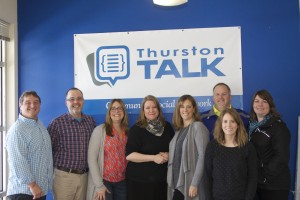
254,124
155,127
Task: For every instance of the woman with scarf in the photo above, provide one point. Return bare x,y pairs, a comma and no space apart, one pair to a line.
271,138
187,150
147,153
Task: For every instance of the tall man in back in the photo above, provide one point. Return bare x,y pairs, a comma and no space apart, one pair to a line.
70,134
221,99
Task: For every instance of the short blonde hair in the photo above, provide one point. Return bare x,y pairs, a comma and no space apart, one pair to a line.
142,121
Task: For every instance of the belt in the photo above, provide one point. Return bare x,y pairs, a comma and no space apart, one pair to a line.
74,171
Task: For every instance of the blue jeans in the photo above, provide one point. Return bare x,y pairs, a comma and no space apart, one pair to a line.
117,190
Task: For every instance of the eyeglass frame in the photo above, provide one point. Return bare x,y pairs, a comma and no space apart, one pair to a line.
115,109
72,99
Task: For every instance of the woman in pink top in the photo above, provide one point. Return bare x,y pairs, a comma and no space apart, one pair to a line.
106,155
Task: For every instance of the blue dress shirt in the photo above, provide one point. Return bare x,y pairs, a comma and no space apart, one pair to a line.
28,145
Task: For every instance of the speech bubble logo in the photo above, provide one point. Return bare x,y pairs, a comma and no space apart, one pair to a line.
112,63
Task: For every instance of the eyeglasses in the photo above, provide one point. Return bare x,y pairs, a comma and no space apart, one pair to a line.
114,109
72,99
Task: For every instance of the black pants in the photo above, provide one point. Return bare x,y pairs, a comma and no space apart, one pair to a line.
262,194
177,195
146,190
23,197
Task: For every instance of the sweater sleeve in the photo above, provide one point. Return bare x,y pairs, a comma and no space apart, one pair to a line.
95,148
251,172
201,141
134,142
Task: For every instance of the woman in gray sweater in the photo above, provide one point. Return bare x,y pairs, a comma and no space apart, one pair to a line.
106,155
186,152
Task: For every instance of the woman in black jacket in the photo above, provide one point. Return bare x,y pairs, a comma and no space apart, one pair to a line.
271,138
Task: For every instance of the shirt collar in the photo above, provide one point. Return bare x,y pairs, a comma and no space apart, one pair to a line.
25,119
72,118
217,112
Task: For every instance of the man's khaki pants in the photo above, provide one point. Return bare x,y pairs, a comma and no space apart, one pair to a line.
69,186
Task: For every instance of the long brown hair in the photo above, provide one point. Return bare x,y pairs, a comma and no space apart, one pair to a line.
177,119
108,121
241,137
142,121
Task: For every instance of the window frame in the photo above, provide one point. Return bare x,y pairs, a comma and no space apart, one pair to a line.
2,117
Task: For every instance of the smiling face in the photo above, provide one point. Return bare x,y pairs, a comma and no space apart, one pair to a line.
116,112
261,107
30,107
221,97
151,110
75,102
229,125
187,111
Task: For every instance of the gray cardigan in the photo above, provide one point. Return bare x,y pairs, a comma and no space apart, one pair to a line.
192,162
95,161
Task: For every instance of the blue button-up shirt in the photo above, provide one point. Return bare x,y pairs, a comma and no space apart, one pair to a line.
28,145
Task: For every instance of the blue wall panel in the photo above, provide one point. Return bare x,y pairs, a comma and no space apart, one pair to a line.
270,44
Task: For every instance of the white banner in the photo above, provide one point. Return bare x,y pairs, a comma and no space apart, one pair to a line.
163,63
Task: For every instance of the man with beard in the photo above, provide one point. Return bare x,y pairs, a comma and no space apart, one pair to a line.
70,134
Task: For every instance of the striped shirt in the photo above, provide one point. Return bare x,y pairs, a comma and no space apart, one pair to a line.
70,139
29,156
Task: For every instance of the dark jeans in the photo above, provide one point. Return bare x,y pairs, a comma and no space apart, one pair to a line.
117,190
177,195
23,197
262,194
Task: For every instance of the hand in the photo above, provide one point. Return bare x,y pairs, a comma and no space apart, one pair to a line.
100,195
165,155
159,159
36,191
192,191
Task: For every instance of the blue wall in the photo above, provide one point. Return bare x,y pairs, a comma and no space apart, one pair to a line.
270,44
